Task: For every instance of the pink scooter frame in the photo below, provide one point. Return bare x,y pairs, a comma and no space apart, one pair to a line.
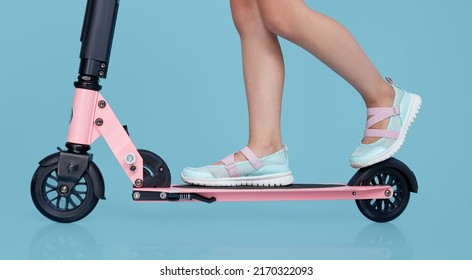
93,117
288,193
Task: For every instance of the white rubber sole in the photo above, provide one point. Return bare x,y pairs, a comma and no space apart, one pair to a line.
273,180
413,110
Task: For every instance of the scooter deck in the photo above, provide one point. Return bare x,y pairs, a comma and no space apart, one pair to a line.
292,186
245,193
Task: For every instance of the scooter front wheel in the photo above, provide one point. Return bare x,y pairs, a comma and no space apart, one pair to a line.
61,203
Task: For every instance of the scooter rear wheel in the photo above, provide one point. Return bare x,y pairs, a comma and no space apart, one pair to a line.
391,173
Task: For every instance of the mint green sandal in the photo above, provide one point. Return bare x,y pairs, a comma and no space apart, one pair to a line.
404,111
272,170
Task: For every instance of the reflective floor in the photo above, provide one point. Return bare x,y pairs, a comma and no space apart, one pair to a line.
285,230
76,242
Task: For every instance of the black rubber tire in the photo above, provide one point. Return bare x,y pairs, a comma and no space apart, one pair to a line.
76,205
384,173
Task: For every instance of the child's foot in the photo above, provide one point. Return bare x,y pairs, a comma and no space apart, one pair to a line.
381,144
271,170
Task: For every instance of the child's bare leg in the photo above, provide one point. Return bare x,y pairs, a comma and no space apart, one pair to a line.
264,162
263,75
333,44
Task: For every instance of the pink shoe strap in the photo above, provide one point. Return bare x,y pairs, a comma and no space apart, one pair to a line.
381,133
230,165
379,114
253,159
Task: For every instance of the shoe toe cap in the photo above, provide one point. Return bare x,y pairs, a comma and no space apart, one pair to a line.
196,173
360,160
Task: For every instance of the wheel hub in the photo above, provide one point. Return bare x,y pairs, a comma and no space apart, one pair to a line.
64,189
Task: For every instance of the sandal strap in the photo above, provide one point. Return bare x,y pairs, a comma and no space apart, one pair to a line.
230,165
253,159
379,114
381,133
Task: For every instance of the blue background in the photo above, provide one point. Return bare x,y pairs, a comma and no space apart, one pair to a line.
176,81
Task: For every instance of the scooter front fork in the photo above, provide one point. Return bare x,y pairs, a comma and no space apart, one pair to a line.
93,117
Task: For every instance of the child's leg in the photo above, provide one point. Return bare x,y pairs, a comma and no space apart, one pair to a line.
391,109
264,162
263,75
333,44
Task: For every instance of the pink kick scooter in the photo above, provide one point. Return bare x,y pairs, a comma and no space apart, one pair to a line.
67,185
